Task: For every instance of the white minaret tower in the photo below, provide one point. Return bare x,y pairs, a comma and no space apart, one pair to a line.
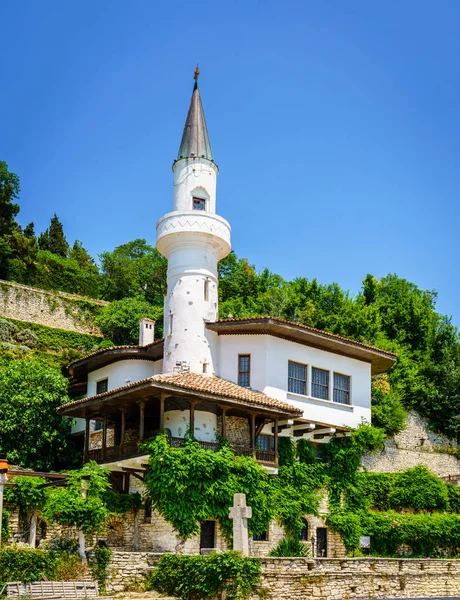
193,238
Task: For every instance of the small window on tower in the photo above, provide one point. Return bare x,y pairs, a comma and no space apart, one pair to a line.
206,290
199,204
171,323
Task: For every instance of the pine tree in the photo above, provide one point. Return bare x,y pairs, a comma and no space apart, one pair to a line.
29,230
9,191
53,239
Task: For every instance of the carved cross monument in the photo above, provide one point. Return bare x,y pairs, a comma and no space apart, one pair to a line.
240,513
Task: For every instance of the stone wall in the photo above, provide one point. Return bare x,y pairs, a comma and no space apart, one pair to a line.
238,431
416,445
285,578
53,309
331,579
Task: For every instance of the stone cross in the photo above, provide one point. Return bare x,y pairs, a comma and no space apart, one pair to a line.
240,513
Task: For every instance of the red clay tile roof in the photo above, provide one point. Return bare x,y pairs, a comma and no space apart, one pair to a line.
305,327
111,348
197,383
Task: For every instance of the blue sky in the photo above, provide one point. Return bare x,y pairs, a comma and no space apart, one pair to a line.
335,126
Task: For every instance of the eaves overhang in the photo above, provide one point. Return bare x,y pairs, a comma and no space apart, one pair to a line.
380,360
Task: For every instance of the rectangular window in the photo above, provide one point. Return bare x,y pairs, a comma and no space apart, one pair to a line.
260,537
206,290
199,204
297,378
244,370
341,389
98,425
171,323
265,442
320,383
102,386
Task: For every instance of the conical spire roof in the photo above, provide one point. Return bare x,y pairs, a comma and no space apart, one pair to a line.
195,139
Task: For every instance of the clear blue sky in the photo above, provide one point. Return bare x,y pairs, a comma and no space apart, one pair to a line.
335,126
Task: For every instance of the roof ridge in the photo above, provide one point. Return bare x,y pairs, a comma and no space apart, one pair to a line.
308,328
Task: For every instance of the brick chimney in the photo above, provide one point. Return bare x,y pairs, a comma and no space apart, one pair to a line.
146,332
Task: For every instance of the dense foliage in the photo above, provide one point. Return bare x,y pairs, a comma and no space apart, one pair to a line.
227,575
32,434
25,564
119,321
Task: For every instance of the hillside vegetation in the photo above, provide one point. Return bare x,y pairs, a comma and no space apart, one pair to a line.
389,312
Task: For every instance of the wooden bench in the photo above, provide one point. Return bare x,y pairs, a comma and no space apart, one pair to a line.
52,589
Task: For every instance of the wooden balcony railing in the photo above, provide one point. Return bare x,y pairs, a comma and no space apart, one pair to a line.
133,449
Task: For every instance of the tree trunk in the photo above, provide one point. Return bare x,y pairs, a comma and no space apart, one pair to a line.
33,530
81,547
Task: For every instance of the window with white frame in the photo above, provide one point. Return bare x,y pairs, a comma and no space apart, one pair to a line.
341,389
320,383
297,378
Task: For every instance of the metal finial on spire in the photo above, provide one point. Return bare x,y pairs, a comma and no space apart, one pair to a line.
197,73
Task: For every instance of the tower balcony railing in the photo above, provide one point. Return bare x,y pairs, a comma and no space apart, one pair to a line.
135,448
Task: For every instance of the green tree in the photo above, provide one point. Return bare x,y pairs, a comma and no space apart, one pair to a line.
29,495
134,269
81,503
119,321
53,239
9,192
32,434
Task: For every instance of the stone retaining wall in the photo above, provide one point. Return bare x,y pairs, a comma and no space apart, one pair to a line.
53,309
327,578
335,579
416,445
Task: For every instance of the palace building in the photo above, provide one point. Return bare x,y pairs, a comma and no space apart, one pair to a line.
250,380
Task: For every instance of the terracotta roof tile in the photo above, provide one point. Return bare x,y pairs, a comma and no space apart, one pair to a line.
306,328
102,350
198,383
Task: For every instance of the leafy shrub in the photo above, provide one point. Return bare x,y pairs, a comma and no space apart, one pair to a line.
426,535
306,452
62,544
290,546
8,331
68,567
226,575
99,563
286,451
23,563
418,488
378,487
453,493
27,338
348,524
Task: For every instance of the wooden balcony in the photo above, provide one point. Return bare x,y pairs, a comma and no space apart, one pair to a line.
133,449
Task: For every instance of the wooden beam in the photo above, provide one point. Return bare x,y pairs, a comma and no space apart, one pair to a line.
260,427
162,411
276,442
134,474
123,426
224,421
104,436
192,418
86,451
141,419
319,433
252,426
300,430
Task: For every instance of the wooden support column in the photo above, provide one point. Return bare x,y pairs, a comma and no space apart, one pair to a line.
141,420
224,422
192,418
104,435
276,442
86,451
162,411
122,431
252,420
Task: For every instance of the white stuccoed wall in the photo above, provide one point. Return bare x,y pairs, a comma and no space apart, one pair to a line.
118,372
194,177
205,424
269,374
193,241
